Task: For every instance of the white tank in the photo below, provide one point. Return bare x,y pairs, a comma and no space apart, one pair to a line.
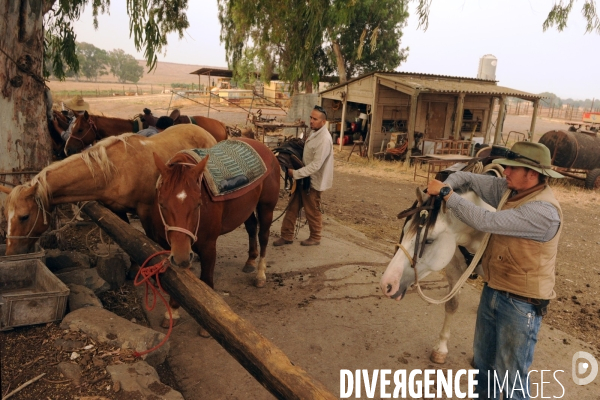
487,67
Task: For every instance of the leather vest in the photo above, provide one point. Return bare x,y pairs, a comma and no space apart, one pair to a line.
523,266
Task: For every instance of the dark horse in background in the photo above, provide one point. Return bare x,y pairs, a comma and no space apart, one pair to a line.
88,129
190,220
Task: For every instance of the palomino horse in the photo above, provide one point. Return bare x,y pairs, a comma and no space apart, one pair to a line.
118,171
430,238
89,128
190,219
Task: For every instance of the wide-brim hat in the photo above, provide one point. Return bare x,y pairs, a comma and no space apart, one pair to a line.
535,156
78,104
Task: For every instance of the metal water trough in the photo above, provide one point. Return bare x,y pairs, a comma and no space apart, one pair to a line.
29,293
575,154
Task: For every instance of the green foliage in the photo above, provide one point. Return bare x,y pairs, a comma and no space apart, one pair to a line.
150,22
92,61
370,41
550,100
295,37
124,66
558,15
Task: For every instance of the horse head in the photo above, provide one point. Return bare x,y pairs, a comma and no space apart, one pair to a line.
27,220
179,200
83,133
147,118
427,244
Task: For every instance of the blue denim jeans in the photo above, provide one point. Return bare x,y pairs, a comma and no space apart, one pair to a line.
505,337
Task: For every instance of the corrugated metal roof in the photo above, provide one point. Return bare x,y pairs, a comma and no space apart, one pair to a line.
445,84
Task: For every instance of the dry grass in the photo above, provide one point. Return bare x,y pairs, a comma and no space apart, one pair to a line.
566,190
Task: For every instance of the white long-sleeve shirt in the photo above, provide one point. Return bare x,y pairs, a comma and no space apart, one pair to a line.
318,160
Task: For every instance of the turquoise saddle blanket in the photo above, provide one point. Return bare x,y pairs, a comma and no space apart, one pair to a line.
232,165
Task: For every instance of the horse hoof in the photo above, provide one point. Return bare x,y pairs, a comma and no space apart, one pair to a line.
437,357
260,283
165,323
248,268
203,332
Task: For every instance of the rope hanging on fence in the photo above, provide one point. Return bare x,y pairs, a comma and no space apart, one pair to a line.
147,273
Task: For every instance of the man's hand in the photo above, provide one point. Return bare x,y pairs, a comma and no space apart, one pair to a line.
434,186
290,173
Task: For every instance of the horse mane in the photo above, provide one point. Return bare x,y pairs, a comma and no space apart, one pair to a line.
95,153
178,174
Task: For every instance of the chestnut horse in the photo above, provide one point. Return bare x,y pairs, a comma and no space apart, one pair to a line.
89,128
118,171
189,219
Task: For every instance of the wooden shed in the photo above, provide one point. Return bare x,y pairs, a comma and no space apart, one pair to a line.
431,106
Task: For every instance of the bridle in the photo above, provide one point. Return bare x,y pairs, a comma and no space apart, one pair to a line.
93,128
424,211
424,215
37,216
168,228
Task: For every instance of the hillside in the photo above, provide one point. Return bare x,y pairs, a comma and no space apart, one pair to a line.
165,73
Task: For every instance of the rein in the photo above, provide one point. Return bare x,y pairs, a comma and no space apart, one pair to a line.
424,215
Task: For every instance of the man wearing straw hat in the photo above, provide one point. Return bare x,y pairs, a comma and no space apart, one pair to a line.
76,106
519,262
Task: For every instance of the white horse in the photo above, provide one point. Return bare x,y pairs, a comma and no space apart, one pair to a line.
438,245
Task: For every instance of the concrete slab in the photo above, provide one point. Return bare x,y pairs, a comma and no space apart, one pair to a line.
322,306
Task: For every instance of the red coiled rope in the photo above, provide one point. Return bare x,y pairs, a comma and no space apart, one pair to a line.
147,273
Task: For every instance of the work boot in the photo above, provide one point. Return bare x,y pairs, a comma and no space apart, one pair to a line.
310,242
281,241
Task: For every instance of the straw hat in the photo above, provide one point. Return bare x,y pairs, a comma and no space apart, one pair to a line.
535,156
77,104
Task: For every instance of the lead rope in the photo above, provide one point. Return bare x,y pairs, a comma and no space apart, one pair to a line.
467,272
147,273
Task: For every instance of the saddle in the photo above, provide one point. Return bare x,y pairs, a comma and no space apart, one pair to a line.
289,155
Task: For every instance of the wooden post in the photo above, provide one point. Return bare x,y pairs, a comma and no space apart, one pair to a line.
343,125
376,119
267,363
460,106
536,104
412,122
498,134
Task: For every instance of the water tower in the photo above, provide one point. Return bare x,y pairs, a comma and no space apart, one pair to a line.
487,67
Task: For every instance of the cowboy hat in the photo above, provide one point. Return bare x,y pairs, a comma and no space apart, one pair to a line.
535,156
77,104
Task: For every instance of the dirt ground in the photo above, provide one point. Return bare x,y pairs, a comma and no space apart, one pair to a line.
365,197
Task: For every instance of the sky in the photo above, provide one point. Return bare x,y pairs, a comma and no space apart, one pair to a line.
460,32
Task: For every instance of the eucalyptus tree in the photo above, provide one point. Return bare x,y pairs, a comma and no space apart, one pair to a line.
301,39
36,39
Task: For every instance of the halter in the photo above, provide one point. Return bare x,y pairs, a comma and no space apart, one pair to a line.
168,227
92,128
37,216
433,203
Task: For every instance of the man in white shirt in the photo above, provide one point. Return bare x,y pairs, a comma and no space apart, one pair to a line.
318,164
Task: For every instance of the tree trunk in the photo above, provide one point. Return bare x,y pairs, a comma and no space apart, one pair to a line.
24,138
339,58
308,87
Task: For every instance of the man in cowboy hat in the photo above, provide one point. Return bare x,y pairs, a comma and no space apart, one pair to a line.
518,263
76,106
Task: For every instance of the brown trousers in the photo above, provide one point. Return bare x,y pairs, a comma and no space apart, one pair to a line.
312,209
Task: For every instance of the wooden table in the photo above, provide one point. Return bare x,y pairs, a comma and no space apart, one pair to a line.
436,163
